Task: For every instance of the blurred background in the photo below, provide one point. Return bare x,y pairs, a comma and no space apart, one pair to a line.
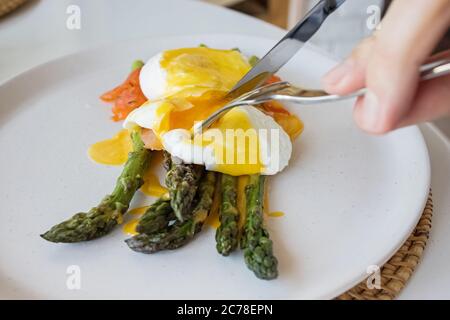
349,24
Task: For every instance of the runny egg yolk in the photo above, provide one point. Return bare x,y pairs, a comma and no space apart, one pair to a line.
130,227
192,70
182,113
112,151
239,150
152,187
187,85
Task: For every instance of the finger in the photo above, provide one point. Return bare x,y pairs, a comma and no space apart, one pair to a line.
349,75
392,73
432,102
439,56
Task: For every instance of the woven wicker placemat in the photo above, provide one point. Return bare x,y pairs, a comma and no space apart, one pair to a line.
397,271
7,6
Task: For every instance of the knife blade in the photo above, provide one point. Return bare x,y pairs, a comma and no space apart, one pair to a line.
286,48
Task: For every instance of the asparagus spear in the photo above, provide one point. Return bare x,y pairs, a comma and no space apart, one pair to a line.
157,216
227,233
255,240
253,60
182,181
179,233
137,64
101,219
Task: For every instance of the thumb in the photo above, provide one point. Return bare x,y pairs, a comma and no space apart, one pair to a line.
350,75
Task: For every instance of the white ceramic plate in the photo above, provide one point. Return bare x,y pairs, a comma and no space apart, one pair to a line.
350,199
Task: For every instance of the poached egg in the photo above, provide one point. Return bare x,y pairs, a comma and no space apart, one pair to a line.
187,85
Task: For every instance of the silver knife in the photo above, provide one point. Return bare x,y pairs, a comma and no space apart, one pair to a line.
286,48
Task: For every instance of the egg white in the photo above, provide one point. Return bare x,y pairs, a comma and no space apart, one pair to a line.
153,78
145,116
179,143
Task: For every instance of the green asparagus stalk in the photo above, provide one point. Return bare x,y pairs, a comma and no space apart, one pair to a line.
179,233
137,64
253,60
157,216
182,181
101,219
255,242
227,235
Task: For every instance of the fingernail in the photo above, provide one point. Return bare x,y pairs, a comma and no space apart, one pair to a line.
370,111
338,73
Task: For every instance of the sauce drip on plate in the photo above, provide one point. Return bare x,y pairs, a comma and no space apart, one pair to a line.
112,151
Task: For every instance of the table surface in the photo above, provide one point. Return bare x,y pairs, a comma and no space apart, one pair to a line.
37,33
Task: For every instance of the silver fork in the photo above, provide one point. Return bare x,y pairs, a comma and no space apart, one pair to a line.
285,91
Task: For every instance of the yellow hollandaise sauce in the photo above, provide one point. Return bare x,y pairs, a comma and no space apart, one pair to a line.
239,152
275,214
115,151
190,70
130,227
213,219
112,151
152,186
266,207
182,113
138,211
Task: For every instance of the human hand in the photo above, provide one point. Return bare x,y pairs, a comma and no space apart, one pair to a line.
388,63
